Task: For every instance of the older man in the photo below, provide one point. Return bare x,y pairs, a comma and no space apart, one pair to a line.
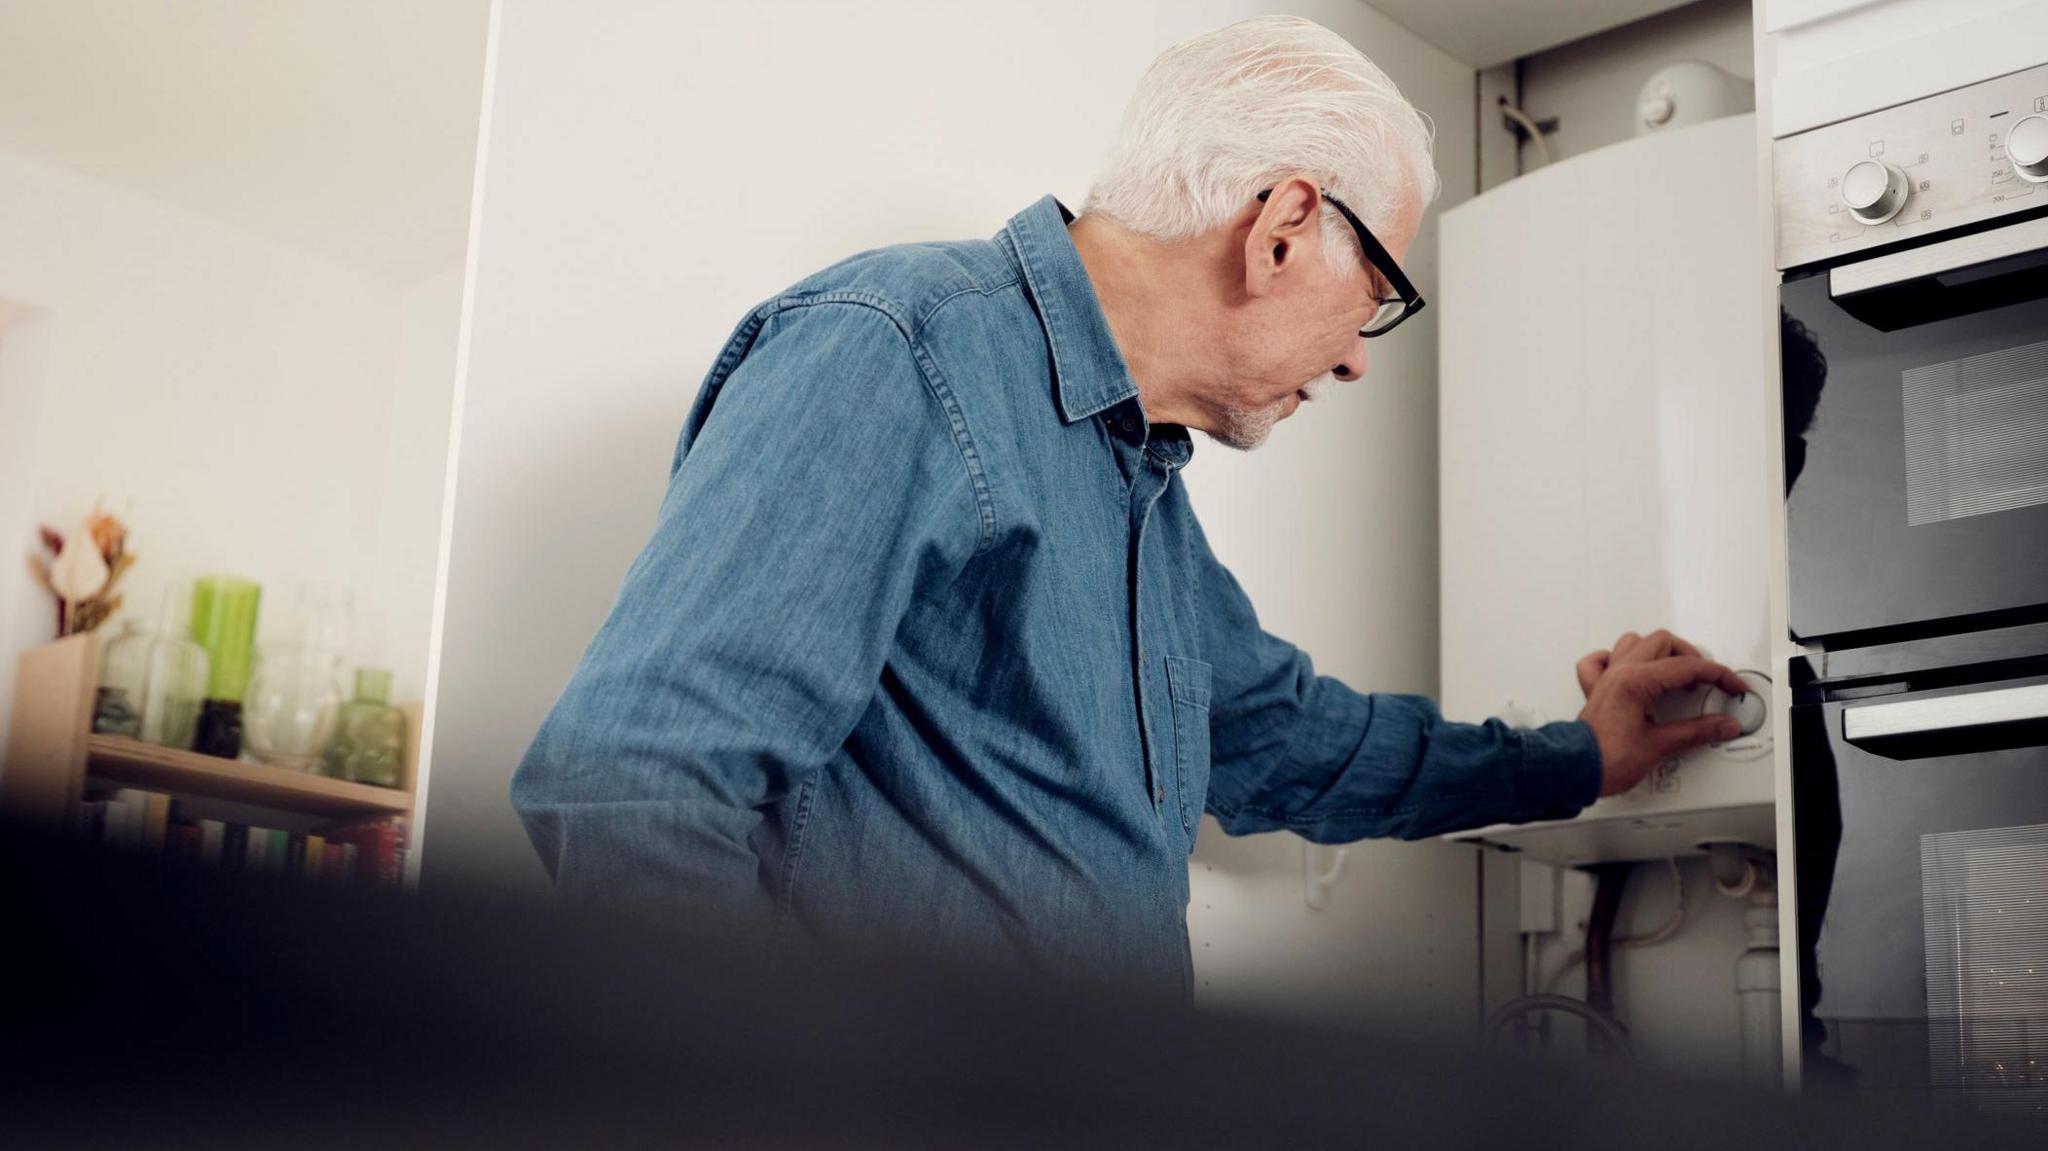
928,642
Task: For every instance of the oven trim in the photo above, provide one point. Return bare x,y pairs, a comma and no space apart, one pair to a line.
1941,713
1937,258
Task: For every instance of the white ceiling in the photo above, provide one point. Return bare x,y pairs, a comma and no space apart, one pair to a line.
1483,33
346,128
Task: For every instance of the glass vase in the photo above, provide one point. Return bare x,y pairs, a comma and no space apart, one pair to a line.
369,737
292,702
117,704
295,693
175,691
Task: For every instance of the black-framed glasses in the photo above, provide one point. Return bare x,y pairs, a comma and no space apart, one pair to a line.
1406,302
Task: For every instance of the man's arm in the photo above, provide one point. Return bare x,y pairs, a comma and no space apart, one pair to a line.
822,493
1301,752
1295,751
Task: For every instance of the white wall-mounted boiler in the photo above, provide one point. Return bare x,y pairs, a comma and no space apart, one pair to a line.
1604,462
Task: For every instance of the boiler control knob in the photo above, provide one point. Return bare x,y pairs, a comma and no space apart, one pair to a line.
1750,710
1874,191
2027,145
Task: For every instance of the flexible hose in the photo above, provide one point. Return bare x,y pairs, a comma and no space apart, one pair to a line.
1598,1021
1610,880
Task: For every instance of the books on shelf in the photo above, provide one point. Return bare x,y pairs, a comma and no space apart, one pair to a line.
152,823
376,847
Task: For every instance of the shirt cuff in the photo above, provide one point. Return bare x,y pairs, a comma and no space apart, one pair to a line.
1560,773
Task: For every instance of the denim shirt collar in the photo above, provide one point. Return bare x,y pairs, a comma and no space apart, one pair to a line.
1088,369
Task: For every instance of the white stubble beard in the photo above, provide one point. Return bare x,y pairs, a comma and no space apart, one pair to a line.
1247,428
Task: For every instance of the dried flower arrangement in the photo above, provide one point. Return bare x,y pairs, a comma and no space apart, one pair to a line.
82,571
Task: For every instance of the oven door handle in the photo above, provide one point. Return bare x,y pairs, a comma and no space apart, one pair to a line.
1945,713
1935,259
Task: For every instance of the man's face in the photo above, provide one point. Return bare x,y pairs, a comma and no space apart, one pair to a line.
1296,332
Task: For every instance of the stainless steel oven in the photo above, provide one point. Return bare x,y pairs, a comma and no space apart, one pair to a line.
1914,243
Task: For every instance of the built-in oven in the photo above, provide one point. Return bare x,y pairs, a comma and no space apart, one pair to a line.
1920,796
1914,243
1918,424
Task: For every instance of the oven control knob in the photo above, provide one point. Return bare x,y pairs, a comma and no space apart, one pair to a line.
2027,145
1874,191
1750,709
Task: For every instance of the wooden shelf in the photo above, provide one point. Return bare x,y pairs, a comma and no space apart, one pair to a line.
118,759
51,753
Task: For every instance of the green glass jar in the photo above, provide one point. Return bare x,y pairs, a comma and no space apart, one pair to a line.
369,734
224,624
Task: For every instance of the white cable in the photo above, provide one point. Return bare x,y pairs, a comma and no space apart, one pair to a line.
1672,925
1529,126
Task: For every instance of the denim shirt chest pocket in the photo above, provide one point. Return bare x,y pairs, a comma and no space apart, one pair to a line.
1187,683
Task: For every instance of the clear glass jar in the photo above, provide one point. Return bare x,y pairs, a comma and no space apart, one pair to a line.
175,690
117,703
295,694
369,738
293,699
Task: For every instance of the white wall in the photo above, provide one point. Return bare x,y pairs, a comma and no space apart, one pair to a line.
346,131
230,398
412,473
25,612
653,170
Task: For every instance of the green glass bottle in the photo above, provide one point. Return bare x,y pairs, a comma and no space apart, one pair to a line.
224,623
369,735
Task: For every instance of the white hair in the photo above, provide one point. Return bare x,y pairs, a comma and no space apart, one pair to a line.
1218,118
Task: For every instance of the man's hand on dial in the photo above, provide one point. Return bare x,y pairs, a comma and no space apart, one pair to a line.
1622,686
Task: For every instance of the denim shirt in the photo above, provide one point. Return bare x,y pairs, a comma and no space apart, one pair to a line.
928,643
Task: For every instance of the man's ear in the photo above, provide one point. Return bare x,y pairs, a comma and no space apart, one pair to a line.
1288,220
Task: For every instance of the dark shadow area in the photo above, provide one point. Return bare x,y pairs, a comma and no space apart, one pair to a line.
154,1003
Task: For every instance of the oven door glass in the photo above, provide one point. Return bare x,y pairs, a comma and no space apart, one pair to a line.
1916,444
1922,847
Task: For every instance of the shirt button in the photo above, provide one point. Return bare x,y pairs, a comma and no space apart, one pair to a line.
1129,424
